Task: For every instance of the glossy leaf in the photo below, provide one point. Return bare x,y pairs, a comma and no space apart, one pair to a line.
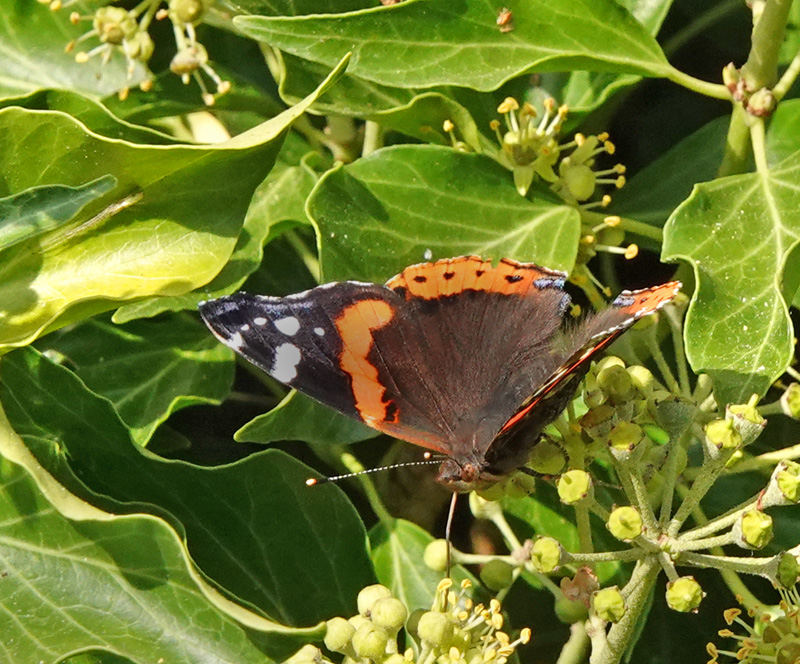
41,209
459,43
408,204
738,234
77,578
171,229
253,526
149,369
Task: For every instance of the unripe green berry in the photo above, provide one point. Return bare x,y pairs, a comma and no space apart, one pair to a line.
615,381
369,595
684,594
339,635
574,486
435,628
625,436
754,529
613,236
308,654
790,401
593,396
497,574
520,485
642,378
370,641
547,458
570,611
609,604
389,613
598,422
188,11
625,523
435,556
788,570
492,492
546,555
722,434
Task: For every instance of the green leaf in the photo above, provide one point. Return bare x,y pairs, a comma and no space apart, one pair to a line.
298,554
77,578
405,204
299,417
41,209
148,369
739,233
175,233
459,43
397,551
32,43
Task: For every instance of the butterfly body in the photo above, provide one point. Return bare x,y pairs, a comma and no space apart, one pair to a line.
457,356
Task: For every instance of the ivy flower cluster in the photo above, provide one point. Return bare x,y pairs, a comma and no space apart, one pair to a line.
455,630
126,31
624,451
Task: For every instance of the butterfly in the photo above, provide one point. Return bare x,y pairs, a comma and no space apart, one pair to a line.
461,357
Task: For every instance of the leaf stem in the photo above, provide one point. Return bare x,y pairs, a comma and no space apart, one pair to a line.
715,90
661,362
308,257
576,647
373,138
758,140
761,68
787,80
699,25
673,317
767,459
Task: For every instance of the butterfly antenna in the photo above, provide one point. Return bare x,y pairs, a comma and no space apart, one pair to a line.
448,528
429,460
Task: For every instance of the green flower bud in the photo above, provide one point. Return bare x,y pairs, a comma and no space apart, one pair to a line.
547,458
609,604
546,555
625,523
761,103
140,46
754,529
520,485
435,628
598,422
788,570
616,382
570,611
484,509
188,11
593,396
370,641
642,378
787,479
114,24
790,401
492,492
369,595
684,594
188,60
390,614
607,362
625,436
574,486
497,574
435,556
339,635
746,419
788,652
395,658
723,435
308,654
357,620
730,76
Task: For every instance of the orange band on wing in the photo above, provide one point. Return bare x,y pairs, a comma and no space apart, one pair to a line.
355,325
455,275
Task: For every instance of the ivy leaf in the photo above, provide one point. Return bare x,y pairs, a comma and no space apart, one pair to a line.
406,204
170,218
148,370
459,43
77,578
739,233
254,526
41,209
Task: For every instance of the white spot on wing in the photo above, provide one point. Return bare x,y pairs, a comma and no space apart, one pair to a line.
319,331
284,366
289,325
245,327
260,320
235,341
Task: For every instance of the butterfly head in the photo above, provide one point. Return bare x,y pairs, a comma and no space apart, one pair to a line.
465,475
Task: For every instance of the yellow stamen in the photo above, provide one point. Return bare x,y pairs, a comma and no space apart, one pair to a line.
731,614
632,251
507,105
448,126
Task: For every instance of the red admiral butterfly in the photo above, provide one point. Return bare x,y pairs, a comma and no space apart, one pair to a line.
457,356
